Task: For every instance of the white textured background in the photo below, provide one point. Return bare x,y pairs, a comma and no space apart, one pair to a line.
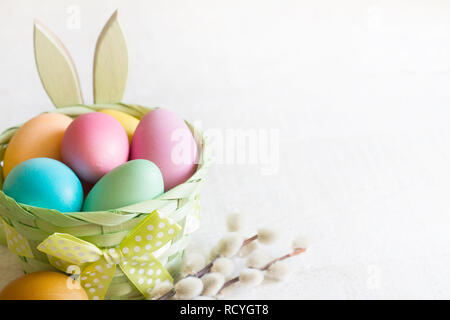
360,94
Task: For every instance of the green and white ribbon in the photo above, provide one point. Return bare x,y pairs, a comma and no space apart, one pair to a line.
16,242
134,256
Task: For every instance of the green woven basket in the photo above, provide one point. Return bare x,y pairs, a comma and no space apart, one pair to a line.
105,229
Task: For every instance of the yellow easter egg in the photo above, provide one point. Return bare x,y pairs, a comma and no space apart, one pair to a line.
45,285
128,122
39,137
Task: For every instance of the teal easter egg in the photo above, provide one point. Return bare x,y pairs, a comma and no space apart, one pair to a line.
45,183
132,182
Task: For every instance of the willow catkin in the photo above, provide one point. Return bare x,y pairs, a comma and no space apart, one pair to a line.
248,249
278,271
214,253
229,245
257,259
235,222
161,289
300,242
251,277
212,283
188,288
224,266
267,236
192,263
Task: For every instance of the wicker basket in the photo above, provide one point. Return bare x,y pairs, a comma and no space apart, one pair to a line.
107,229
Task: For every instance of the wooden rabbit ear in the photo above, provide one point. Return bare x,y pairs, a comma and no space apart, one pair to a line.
110,63
56,68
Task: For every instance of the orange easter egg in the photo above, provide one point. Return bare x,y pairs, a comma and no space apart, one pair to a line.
39,137
45,285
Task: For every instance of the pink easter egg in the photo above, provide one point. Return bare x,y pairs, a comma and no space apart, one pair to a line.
164,138
94,144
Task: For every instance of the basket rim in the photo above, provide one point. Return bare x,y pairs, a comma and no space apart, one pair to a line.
127,212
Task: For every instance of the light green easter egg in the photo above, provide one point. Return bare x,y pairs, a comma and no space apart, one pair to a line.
132,182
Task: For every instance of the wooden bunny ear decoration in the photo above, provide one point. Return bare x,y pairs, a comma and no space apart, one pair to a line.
110,64
56,68
58,73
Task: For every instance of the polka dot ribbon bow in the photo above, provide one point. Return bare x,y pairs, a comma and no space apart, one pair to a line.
16,242
134,256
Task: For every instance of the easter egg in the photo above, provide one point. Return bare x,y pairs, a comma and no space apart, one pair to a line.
129,123
132,182
39,137
94,144
45,285
45,183
164,138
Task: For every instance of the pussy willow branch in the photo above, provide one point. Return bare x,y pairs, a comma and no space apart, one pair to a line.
205,269
267,266
208,267
286,256
247,241
168,295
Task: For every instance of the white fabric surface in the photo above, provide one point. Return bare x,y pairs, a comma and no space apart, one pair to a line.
357,90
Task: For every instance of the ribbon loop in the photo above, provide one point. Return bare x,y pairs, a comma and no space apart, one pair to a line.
150,235
69,248
16,242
